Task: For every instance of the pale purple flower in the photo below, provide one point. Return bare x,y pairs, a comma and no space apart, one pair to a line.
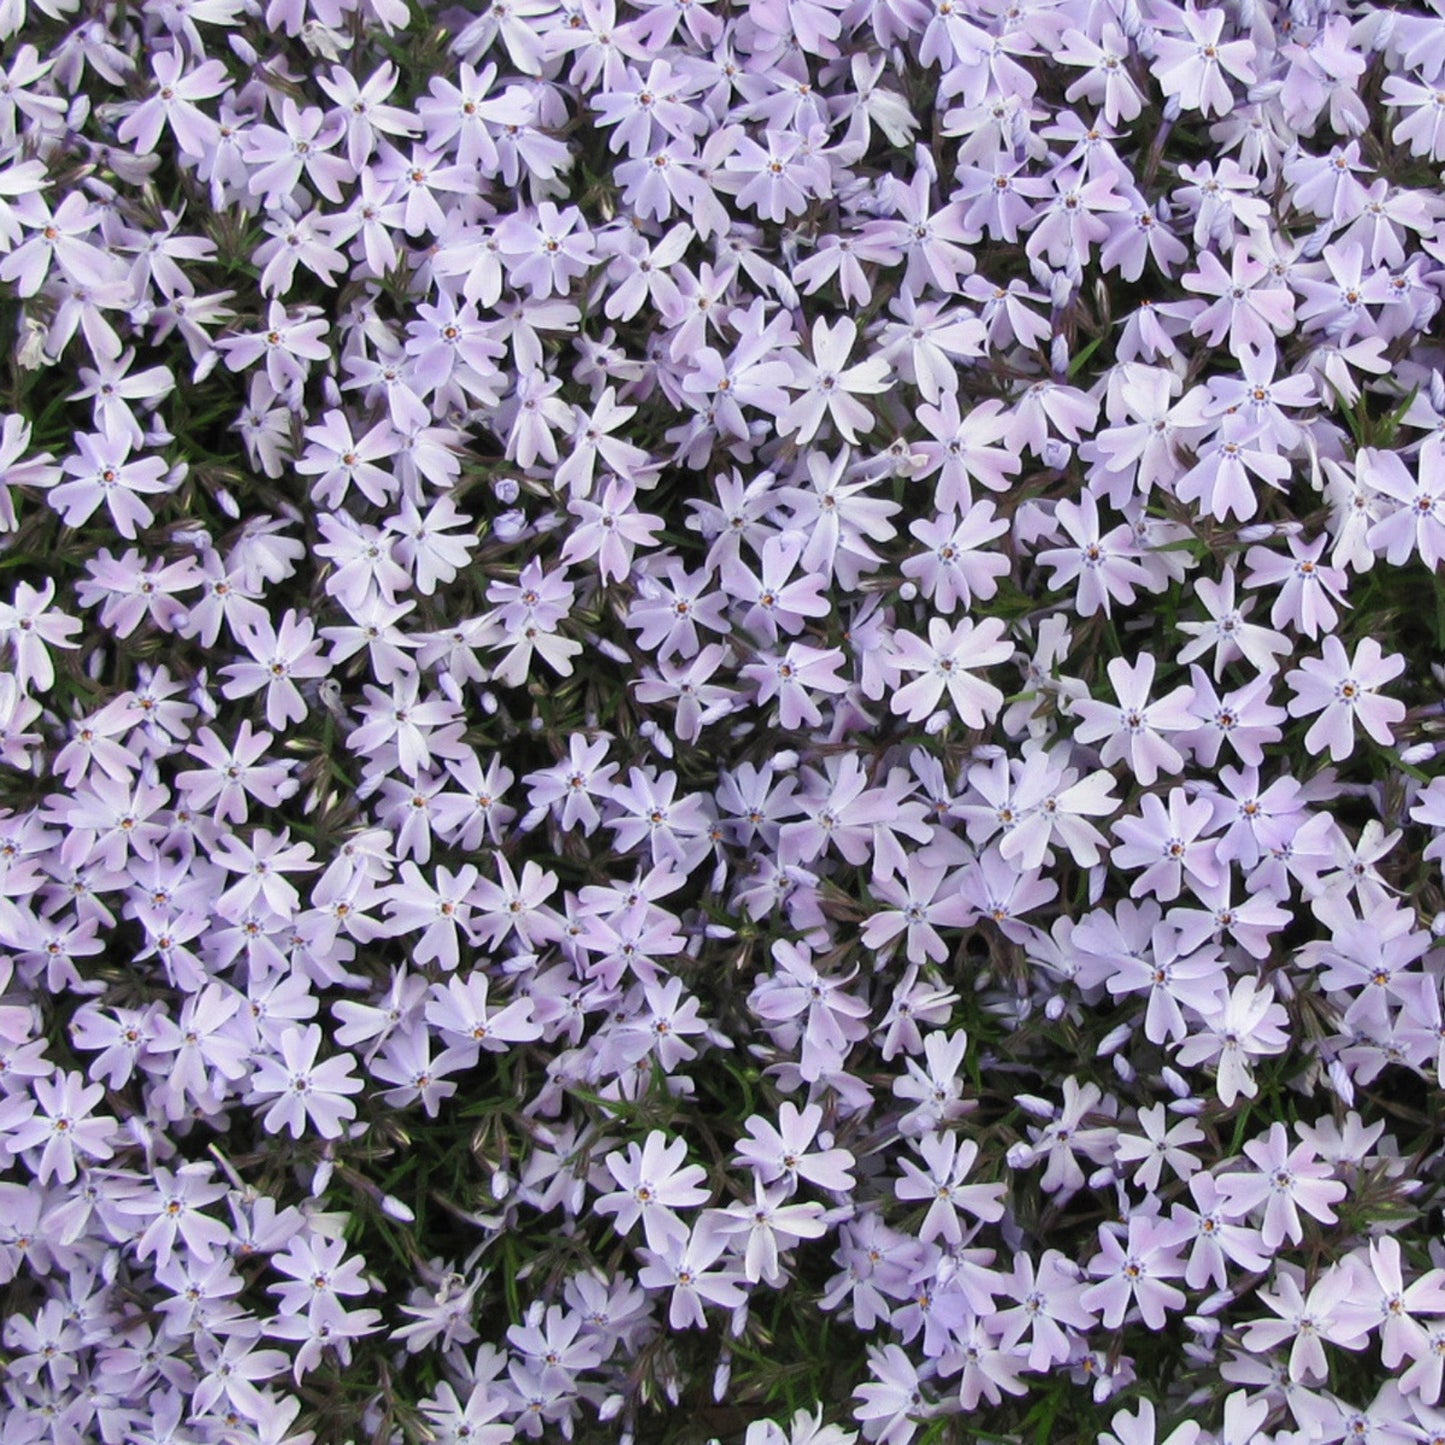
785,1151
105,473
948,1161
59,1124
1134,1268
768,1223
1194,66
794,677
280,657
829,385
653,1183
1308,1320
1102,564
685,1264
1344,691
1283,1182
947,663
306,1093
1135,727
1247,1025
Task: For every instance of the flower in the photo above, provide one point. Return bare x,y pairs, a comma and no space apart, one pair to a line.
1344,691
1103,565
1135,726
304,1091
828,385
1193,66
1134,1268
1246,1025
653,1183
768,1223
105,473
1283,1182
947,662
685,1265
949,1161
60,1124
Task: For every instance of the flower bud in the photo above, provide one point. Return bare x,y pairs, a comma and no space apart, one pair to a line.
1257,532
321,40
1115,1040
722,1376
509,526
30,353
1057,453
1340,1081
1020,1156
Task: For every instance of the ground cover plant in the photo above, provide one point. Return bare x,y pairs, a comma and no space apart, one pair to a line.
721,719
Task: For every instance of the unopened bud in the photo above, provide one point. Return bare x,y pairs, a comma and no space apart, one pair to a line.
1115,1039
1020,1156
1056,453
323,41
1340,1081
30,354
722,1376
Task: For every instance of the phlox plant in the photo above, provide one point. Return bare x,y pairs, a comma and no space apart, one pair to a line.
722,721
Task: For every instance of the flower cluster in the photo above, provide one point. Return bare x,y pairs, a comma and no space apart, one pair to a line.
726,706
